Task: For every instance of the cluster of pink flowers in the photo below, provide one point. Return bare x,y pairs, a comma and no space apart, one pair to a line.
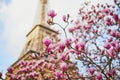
112,48
80,46
85,36
94,43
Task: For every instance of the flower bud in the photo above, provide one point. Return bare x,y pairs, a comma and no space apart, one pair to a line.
91,70
99,76
10,70
107,46
0,75
68,42
71,29
47,41
58,74
63,65
64,18
61,47
115,16
52,13
49,21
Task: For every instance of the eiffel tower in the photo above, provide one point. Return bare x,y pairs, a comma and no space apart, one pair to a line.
34,45
39,31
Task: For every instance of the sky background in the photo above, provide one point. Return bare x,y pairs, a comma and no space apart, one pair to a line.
17,18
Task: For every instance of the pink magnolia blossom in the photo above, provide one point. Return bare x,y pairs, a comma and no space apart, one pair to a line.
68,41
115,1
77,27
91,70
52,13
90,22
46,41
110,39
77,47
118,34
76,72
95,57
113,33
109,30
64,56
71,50
111,72
76,40
40,62
49,48
53,35
45,64
27,69
61,47
23,78
115,44
111,13
108,22
99,76
64,18
0,75
115,16
100,16
27,75
110,52
30,75
19,77
80,46
58,74
52,60
77,22
107,46
63,66
87,27
77,53
10,70
49,65
106,11
71,29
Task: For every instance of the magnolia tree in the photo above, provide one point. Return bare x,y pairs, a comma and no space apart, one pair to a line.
95,43
96,40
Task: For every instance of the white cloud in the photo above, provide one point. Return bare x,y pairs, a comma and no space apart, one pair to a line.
20,16
3,11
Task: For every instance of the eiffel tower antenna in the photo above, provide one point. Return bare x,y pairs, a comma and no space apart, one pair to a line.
41,13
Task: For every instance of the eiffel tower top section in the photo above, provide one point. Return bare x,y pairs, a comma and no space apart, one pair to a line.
41,13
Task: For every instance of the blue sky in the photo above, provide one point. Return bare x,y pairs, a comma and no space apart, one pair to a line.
6,1
3,52
17,18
